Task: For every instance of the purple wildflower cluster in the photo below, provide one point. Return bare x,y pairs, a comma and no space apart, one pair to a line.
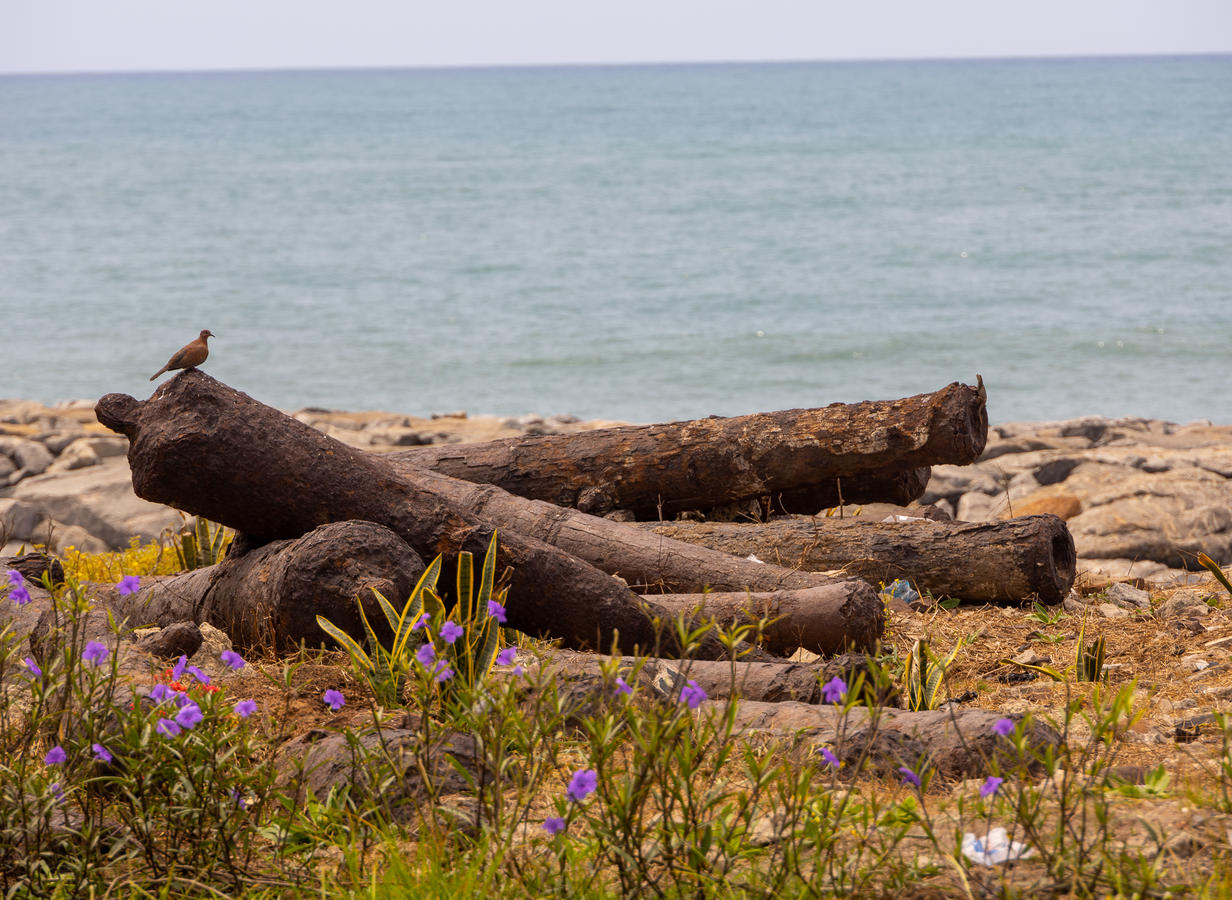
19,594
693,694
581,785
834,690
426,655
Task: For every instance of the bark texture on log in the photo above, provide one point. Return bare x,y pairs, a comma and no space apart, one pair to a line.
649,564
270,595
205,448
791,456
818,619
772,682
1011,561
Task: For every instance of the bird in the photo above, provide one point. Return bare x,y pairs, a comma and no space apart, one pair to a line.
191,354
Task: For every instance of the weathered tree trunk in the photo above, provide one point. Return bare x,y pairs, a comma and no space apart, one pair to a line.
791,458
270,595
817,619
210,450
1012,561
772,682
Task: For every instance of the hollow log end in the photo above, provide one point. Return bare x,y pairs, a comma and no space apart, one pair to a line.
119,413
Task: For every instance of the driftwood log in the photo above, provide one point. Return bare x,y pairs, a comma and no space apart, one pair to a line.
205,448
1012,561
771,681
269,596
797,460
806,617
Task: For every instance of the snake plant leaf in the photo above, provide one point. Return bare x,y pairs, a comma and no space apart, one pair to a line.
348,643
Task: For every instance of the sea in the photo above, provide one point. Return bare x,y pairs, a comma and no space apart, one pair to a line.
638,243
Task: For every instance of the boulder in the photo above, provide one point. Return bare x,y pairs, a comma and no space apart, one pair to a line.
99,499
30,457
77,455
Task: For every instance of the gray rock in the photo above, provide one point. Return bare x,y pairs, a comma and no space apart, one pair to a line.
7,468
1127,596
77,455
977,507
107,447
18,520
56,441
319,761
30,457
1184,604
1112,611
180,639
99,499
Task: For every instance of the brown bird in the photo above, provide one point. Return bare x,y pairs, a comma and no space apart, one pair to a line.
191,354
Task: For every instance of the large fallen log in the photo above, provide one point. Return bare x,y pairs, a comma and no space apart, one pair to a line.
269,596
799,460
812,618
1011,561
205,448
771,681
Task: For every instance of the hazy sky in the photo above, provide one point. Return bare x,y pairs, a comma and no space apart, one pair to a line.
132,35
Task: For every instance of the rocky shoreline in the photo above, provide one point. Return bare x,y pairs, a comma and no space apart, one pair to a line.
1141,497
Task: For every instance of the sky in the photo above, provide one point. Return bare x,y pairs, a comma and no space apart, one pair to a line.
170,35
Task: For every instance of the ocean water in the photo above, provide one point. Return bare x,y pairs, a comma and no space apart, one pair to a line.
639,243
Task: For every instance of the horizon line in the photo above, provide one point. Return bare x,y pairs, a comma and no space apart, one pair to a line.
288,69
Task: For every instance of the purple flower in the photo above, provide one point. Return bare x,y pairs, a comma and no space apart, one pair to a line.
56,791
232,659
1003,727
189,715
160,692
167,728
334,699
834,690
95,653
198,674
496,611
990,786
101,753
55,756
128,584
178,672
181,699
451,632
443,672
582,784
507,656
554,825
33,667
245,708
426,654
622,686
238,798
692,694
829,757
909,777
421,622
20,593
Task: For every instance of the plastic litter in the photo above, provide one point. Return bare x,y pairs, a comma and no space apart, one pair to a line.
995,849
902,590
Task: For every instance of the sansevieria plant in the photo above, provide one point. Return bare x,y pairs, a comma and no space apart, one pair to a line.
466,657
